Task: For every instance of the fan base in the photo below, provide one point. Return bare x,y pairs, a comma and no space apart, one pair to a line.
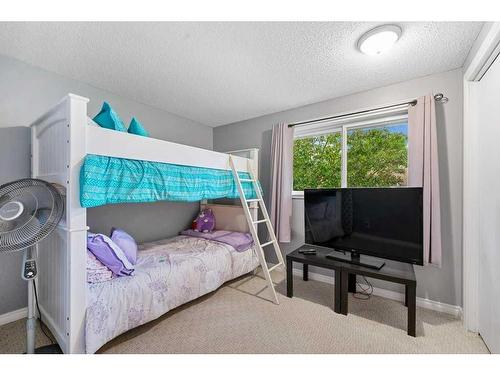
48,349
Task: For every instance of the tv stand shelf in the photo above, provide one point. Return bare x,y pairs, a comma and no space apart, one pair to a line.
356,258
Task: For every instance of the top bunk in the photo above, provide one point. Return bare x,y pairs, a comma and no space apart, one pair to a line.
105,142
112,143
70,151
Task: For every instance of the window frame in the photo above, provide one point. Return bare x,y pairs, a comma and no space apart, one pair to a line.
376,118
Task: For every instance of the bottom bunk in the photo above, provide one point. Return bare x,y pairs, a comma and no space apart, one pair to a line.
168,273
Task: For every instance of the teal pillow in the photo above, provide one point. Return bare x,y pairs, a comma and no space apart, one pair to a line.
137,128
109,119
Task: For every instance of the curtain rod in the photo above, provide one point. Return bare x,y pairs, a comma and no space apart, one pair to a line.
438,97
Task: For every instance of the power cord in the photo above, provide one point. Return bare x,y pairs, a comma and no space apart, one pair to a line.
364,293
42,324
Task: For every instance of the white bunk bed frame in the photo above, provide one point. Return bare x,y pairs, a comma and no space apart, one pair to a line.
60,140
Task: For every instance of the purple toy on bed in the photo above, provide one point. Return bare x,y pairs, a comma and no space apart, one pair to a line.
205,222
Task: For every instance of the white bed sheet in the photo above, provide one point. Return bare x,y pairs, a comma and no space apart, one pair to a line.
168,274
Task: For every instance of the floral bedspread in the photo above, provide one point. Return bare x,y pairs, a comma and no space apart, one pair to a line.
168,274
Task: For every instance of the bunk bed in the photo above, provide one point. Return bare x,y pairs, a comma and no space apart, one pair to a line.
68,150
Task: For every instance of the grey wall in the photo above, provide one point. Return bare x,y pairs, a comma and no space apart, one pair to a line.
25,93
443,285
14,164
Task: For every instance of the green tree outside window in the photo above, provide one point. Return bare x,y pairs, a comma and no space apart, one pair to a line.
376,157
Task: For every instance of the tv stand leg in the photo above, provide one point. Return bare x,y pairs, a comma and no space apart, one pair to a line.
344,296
412,307
351,283
338,292
305,272
289,278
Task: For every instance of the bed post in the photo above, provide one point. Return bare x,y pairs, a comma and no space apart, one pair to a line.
58,148
77,226
253,155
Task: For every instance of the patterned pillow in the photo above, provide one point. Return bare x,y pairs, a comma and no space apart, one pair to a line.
205,222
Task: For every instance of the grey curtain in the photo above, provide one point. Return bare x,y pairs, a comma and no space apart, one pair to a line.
423,171
281,181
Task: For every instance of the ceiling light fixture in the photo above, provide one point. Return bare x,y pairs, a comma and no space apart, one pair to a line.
379,39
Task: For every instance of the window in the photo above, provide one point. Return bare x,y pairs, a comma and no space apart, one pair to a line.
368,152
377,156
317,161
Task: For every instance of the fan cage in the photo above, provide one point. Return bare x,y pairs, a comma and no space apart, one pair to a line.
40,225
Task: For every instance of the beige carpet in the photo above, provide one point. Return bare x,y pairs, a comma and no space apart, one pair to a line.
233,320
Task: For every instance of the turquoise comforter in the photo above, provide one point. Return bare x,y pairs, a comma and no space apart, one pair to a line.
106,180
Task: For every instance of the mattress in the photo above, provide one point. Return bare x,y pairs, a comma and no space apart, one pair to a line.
168,274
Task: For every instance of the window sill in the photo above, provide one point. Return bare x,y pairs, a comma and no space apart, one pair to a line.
297,195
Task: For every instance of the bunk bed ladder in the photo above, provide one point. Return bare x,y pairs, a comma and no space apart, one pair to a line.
253,225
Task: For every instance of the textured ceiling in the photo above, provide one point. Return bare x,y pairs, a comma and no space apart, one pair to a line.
218,73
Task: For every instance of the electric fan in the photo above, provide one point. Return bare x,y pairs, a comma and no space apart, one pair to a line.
30,210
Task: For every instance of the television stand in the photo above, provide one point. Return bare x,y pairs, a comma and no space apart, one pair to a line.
345,278
355,258
402,273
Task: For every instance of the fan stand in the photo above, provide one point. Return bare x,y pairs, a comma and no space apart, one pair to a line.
30,210
31,321
29,273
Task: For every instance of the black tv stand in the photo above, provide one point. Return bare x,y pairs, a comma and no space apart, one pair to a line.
345,278
355,258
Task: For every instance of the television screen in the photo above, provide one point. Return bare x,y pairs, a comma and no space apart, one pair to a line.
381,222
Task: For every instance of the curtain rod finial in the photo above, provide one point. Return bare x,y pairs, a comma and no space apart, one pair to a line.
439,97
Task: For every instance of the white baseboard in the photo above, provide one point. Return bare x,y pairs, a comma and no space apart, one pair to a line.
13,316
396,296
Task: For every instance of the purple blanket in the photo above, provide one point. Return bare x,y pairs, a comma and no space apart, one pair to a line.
238,240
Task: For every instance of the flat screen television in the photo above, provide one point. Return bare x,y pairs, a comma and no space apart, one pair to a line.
381,222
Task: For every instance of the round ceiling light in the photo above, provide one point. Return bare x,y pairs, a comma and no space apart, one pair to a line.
379,39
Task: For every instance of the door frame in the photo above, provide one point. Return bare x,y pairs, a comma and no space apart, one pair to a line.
487,50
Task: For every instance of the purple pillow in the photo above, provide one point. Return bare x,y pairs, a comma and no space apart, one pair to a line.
205,222
109,254
126,242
